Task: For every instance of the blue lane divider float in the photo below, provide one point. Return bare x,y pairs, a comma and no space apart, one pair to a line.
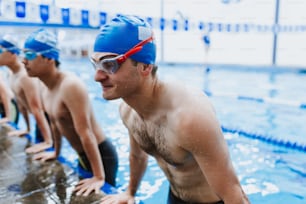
270,100
267,139
264,138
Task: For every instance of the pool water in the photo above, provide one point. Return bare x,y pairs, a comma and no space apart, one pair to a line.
269,173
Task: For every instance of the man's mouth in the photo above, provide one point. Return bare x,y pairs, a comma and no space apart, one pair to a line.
106,86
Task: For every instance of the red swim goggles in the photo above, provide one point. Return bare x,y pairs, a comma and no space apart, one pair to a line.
111,65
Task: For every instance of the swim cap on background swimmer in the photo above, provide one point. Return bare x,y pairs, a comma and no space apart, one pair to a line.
11,43
122,34
43,40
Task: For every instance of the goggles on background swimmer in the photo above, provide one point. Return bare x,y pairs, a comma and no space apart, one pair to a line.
2,49
111,65
31,54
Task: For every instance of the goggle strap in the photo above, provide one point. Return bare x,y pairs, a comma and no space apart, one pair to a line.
129,53
42,52
144,41
8,48
135,49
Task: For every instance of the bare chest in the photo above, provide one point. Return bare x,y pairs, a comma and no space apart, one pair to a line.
19,93
158,139
56,108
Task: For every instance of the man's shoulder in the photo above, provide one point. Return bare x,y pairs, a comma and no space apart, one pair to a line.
184,96
71,81
176,89
127,113
27,82
124,108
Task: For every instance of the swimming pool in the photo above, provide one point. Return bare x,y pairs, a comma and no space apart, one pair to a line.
251,106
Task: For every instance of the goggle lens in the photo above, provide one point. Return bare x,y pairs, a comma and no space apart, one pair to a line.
29,55
109,65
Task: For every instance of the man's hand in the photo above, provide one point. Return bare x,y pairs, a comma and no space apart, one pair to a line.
4,120
38,147
86,186
19,133
44,156
122,198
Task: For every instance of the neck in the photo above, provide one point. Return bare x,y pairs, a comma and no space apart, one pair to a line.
51,79
146,99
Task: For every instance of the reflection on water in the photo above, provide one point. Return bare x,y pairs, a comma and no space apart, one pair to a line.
23,180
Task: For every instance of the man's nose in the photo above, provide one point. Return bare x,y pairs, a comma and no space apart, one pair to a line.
24,61
100,75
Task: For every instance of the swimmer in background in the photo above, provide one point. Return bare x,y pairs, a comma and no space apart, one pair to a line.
174,124
5,100
68,106
27,93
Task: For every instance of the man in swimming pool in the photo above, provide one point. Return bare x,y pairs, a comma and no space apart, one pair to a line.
68,106
176,125
27,93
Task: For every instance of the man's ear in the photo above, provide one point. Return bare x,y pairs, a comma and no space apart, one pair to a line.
49,61
146,69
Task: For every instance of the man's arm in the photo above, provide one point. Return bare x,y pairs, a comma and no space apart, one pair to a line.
50,155
138,158
23,111
208,146
5,100
35,104
79,106
138,164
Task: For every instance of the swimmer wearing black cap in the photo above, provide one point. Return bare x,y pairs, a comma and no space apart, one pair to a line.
174,124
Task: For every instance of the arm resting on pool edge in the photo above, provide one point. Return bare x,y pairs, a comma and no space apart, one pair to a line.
5,100
79,107
138,164
50,155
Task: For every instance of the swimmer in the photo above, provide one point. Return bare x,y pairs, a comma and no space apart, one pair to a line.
174,124
5,99
27,93
68,106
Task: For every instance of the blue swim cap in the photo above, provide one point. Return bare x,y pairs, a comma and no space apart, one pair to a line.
10,42
43,40
122,34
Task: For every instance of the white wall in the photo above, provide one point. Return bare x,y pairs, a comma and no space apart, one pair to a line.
247,48
292,45
251,48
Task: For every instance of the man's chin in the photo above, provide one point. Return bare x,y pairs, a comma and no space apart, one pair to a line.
30,75
108,96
